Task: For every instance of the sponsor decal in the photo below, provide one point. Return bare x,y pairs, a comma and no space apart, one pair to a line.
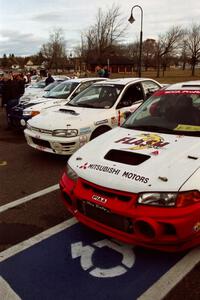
182,92
115,171
187,127
100,199
158,93
87,203
113,121
101,122
84,166
144,141
85,130
135,177
156,152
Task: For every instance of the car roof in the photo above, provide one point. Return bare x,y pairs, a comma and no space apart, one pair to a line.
125,81
79,80
186,85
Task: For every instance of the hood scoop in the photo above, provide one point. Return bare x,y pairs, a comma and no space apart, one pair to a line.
125,157
69,111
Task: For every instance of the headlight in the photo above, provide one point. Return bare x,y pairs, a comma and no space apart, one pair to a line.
27,113
157,199
65,132
30,113
71,173
164,199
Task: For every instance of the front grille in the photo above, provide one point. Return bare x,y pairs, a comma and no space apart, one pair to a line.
106,193
41,143
104,216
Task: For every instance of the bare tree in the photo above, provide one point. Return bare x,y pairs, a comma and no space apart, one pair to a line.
54,50
166,45
149,49
193,46
100,39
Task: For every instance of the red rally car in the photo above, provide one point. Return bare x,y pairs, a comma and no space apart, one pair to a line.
140,182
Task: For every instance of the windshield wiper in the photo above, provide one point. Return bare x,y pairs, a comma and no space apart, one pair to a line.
86,105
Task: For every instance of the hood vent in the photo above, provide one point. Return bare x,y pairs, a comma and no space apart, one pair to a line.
126,157
69,111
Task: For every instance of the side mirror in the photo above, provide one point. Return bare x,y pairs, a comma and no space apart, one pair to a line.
127,114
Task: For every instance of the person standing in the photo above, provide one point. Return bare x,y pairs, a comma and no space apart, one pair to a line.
49,79
11,92
106,72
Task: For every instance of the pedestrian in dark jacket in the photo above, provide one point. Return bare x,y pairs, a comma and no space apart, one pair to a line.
49,79
11,91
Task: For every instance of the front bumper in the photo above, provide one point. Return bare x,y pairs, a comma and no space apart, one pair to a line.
16,117
166,229
48,143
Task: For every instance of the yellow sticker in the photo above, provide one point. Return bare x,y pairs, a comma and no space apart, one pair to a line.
3,163
184,127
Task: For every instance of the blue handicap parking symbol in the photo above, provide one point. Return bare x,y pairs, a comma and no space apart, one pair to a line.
81,263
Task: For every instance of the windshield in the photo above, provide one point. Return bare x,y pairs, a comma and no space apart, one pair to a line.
39,84
175,112
97,96
50,86
62,90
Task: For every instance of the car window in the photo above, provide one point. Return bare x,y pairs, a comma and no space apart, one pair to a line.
98,96
83,86
149,88
62,90
39,84
169,112
131,95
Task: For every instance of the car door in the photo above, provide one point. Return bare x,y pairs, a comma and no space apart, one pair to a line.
132,97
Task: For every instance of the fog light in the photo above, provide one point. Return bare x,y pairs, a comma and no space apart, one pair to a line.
23,122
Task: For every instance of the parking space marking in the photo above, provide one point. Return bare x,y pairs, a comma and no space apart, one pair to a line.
36,239
6,292
164,285
3,163
171,278
29,197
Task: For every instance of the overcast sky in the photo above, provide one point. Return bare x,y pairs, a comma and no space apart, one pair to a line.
26,24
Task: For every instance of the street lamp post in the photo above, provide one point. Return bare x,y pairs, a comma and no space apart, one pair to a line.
131,20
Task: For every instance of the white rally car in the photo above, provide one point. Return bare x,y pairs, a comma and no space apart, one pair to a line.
99,108
60,94
140,183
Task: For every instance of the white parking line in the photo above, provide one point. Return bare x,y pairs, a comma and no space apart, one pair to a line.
36,239
29,197
6,292
171,278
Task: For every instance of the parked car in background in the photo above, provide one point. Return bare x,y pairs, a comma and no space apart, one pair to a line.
140,183
37,89
99,108
61,93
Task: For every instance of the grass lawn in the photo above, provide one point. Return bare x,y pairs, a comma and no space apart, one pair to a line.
170,76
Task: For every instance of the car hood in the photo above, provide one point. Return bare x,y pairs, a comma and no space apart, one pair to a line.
42,100
138,161
46,103
60,117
